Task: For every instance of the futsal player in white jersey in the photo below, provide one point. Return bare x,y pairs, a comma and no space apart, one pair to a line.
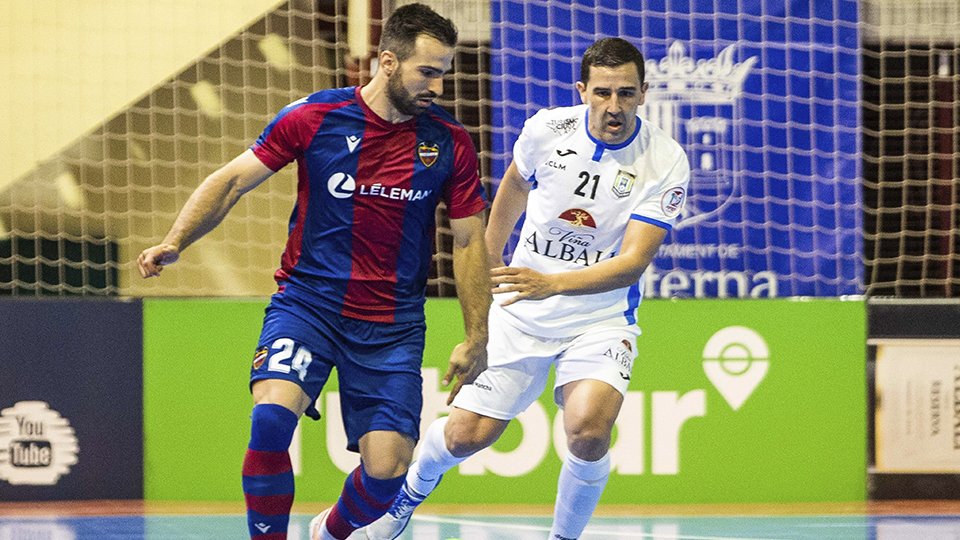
601,188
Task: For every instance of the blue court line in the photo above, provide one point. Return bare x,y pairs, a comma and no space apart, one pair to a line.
431,527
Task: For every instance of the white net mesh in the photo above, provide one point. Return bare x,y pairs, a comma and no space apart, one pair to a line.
911,151
117,189
132,174
765,98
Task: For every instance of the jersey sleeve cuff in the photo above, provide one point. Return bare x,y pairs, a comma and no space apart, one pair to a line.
657,222
266,157
467,211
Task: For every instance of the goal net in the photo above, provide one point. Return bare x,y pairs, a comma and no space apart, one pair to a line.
911,148
764,96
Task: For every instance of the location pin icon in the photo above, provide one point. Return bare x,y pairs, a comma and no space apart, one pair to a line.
735,361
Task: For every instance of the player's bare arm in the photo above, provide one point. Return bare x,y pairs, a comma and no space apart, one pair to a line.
472,271
640,244
204,210
508,206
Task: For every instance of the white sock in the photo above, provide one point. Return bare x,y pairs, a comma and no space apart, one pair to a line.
434,460
578,491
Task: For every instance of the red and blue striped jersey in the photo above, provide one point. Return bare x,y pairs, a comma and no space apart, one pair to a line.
362,228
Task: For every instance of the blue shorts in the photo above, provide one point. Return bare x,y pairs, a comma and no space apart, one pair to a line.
378,364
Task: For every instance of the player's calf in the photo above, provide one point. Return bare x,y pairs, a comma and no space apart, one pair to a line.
268,484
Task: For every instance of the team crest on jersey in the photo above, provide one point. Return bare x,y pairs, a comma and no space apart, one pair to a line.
627,345
562,127
672,201
623,183
578,217
428,152
260,356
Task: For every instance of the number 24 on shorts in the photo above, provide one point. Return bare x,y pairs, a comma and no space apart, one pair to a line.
300,363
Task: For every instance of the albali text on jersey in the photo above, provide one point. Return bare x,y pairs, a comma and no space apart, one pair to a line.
362,227
584,194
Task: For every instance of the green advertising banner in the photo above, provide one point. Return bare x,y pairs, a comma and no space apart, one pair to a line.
731,401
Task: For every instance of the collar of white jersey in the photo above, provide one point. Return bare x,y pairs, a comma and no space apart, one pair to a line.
601,146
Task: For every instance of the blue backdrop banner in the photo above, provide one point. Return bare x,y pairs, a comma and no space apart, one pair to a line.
764,96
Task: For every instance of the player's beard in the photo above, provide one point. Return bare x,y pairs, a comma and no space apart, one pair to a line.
401,99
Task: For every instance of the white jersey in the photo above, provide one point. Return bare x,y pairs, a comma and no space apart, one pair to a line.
583,196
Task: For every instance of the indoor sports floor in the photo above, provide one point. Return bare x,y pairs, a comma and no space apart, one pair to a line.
106,520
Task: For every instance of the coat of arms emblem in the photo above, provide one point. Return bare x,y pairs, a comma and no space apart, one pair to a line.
699,103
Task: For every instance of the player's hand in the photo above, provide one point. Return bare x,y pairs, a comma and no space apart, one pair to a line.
152,260
466,362
528,284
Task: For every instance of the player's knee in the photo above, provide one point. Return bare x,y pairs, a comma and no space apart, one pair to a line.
588,441
385,454
589,448
467,438
385,468
272,427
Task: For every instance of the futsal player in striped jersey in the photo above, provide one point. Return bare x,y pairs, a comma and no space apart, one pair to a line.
373,162
601,188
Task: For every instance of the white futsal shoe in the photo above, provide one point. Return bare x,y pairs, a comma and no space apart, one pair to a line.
318,529
393,523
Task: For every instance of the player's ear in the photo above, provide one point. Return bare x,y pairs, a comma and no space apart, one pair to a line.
582,88
643,92
388,62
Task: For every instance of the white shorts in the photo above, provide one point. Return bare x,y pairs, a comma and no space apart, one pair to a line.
518,365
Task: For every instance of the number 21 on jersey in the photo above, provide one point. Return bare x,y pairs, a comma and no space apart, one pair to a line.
587,183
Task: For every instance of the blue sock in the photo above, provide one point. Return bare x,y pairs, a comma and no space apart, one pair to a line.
268,473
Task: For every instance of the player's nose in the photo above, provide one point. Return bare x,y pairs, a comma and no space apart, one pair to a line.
436,86
614,106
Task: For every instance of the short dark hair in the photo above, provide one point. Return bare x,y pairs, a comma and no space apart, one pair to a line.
407,22
610,52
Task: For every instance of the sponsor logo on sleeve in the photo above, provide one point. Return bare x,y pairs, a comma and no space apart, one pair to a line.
672,201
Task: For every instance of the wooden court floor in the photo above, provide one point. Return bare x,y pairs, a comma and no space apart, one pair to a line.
137,520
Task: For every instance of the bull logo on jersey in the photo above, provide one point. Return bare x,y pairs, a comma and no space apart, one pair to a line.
699,102
623,183
428,152
578,218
